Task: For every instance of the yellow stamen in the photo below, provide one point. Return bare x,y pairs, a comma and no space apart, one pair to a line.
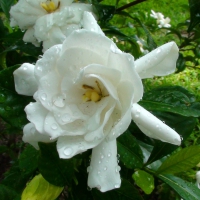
91,95
50,6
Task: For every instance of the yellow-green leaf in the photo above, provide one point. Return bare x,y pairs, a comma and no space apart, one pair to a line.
40,189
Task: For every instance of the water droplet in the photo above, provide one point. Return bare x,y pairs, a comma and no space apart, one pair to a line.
98,172
113,48
32,130
66,118
117,169
68,151
105,168
102,156
99,162
39,68
54,126
24,68
109,154
158,50
43,96
117,185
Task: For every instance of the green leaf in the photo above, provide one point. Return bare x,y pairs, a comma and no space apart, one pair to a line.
194,14
39,188
7,193
175,121
126,192
182,160
56,171
6,5
12,108
129,151
180,64
28,160
186,190
144,180
173,99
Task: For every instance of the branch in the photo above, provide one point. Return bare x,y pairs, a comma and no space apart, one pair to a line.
129,5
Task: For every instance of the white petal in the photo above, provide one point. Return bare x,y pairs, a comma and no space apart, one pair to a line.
124,62
153,127
29,37
159,62
104,169
69,146
36,114
33,137
48,62
25,82
90,23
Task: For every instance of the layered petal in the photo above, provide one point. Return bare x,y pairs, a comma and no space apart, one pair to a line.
25,82
104,169
153,127
32,136
159,62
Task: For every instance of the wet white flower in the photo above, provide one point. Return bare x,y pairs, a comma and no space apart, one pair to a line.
198,179
86,90
161,20
49,21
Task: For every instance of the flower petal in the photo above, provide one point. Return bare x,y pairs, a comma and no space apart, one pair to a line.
29,37
104,169
153,127
90,23
36,114
159,62
25,82
33,137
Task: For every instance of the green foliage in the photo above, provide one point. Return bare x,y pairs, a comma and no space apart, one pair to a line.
144,180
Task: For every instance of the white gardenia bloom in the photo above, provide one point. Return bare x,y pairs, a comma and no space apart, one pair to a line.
85,91
161,20
198,179
49,21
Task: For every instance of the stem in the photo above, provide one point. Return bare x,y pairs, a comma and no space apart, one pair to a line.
129,5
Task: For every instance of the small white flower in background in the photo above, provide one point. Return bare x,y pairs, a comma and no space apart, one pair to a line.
161,20
86,90
47,21
198,179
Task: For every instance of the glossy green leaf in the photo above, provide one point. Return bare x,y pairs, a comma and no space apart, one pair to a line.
194,14
173,99
39,188
7,193
6,5
28,160
180,161
186,190
180,64
55,170
175,121
126,192
129,151
144,180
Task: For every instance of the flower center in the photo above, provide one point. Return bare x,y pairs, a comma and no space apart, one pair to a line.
50,6
91,93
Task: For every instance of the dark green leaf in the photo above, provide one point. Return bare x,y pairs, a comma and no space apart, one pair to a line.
144,180
129,151
173,99
7,79
28,161
194,14
186,190
180,64
55,170
12,108
7,193
181,161
126,192
6,5
162,149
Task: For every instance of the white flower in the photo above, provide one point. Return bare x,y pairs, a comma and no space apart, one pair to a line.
198,179
161,20
84,90
49,21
